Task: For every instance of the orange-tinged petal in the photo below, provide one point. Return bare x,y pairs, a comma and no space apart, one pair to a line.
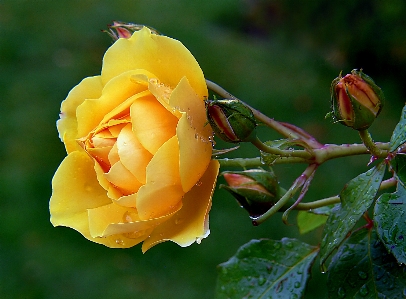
132,154
190,224
101,155
76,189
163,190
101,217
67,124
92,111
152,123
123,179
194,152
165,57
184,98
113,155
127,200
193,134
134,227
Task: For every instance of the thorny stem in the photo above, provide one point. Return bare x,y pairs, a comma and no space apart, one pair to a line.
297,184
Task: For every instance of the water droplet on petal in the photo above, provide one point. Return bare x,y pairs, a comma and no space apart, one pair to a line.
199,183
179,220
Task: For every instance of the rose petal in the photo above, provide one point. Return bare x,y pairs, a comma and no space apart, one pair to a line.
127,200
185,99
167,58
76,189
163,190
67,125
152,123
190,224
101,155
92,111
124,180
113,219
113,155
132,154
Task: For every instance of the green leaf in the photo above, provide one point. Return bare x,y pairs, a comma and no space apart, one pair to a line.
362,268
398,163
356,197
308,221
282,144
390,221
399,134
267,269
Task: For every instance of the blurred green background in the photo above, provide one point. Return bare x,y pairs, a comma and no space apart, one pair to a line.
279,56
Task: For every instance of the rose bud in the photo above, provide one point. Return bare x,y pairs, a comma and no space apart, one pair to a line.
256,190
125,30
356,100
231,120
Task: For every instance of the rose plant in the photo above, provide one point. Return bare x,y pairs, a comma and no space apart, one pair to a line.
139,165
139,139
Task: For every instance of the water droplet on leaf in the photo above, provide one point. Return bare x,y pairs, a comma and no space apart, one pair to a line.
341,293
363,291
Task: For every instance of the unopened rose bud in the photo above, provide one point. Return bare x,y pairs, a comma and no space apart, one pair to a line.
256,190
356,100
231,120
125,30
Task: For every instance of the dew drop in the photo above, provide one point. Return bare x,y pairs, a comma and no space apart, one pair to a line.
88,188
277,245
261,280
362,275
179,220
199,183
341,293
119,242
363,291
297,284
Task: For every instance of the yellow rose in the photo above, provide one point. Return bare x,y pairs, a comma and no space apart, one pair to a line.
139,165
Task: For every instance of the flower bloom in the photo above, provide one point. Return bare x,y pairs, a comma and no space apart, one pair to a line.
139,165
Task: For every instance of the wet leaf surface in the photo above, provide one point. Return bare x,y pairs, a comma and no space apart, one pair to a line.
356,197
267,269
362,268
399,134
390,221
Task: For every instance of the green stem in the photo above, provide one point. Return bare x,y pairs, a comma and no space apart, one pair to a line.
240,162
318,203
336,199
283,153
297,184
370,144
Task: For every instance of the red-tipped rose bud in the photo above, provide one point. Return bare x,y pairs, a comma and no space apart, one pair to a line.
356,100
125,30
256,190
231,120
